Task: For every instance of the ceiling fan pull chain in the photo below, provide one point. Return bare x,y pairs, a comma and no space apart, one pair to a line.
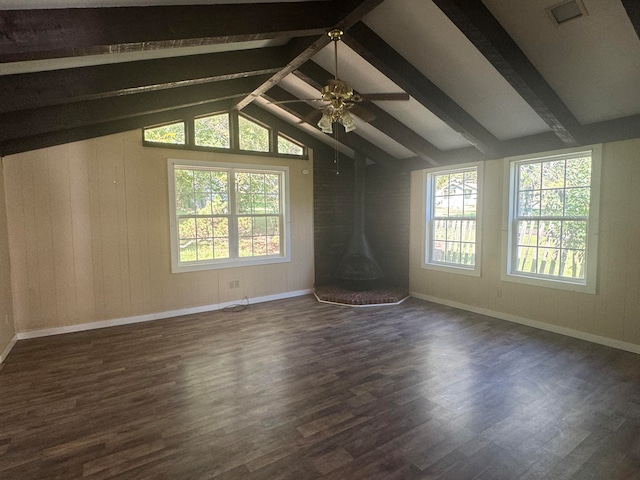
336,157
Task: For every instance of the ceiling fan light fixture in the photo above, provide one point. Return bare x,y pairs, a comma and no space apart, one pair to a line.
348,122
326,122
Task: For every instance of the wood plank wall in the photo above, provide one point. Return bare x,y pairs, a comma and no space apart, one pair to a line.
88,227
7,329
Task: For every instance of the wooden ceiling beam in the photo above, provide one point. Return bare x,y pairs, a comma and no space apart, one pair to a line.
477,23
633,11
62,117
347,13
40,89
86,132
52,33
366,43
315,75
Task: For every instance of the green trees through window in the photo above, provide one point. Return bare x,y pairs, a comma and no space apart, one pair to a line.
217,131
253,137
224,213
213,131
552,206
173,133
452,201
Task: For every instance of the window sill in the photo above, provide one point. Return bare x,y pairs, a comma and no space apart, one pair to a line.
232,263
558,284
471,272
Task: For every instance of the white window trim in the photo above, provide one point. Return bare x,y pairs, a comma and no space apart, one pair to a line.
476,270
589,285
179,267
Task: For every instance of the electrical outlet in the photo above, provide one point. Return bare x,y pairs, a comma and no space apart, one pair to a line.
236,284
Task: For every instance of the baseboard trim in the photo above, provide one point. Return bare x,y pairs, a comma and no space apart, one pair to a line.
5,353
569,332
153,316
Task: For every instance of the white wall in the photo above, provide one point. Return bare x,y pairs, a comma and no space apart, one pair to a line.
7,329
88,226
613,312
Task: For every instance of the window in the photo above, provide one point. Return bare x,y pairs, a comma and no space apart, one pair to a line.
452,220
223,215
253,136
212,131
289,147
173,133
553,220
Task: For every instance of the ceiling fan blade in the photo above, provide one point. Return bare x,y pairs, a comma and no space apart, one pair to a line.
363,114
311,117
297,100
385,96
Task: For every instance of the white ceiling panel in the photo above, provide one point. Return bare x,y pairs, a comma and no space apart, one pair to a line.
592,62
423,35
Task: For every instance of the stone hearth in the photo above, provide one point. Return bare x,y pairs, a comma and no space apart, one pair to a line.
365,298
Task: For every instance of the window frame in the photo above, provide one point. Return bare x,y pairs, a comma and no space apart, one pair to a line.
270,135
234,260
280,135
509,228
428,204
151,143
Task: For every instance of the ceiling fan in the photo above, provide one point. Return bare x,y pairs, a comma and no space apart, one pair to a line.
341,99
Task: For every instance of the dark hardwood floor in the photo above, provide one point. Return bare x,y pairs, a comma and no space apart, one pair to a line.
295,389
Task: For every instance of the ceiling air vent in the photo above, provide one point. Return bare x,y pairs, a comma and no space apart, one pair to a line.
566,11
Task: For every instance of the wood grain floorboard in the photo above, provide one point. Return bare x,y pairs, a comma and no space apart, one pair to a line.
296,389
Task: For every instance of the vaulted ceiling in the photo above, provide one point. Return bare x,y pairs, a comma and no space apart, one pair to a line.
485,79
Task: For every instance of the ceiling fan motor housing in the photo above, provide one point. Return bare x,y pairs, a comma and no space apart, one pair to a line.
336,90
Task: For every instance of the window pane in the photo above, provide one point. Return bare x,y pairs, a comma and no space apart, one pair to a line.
440,230
273,245
553,247
288,147
173,134
221,248
188,251
441,207
187,228
213,131
548,261
453,196
527,259
553,174
467,253
529,176
577,202
273,226
253,137
453,230
574,235
552,203
208,228
529,204
579,172
574,263
205,248
527,232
